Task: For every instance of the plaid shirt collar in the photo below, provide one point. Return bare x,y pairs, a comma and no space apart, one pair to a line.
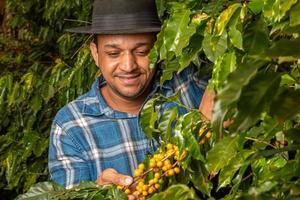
101,108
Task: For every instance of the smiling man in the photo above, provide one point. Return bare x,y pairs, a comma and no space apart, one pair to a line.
98,137
123,61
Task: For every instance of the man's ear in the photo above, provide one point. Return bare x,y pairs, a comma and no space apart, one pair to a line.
94,51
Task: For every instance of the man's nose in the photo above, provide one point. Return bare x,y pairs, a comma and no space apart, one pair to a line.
128,62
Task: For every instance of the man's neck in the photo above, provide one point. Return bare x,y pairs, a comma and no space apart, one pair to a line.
118,103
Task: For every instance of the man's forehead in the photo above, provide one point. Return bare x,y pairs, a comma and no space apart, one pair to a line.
142,38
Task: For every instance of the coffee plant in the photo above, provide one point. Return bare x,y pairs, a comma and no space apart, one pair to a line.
249,51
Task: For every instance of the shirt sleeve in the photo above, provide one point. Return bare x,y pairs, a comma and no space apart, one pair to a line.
67,164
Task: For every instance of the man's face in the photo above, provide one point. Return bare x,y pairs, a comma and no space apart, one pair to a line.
123,61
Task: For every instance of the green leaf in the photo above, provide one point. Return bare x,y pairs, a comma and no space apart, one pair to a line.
161,7
255,98
284,47
233,166
271,152
234,32
236,37
28,81
225,17
223,67
114,193
264,187
256,39
293,134
13,96
284,7
222,153
199,178
166,121
230,94
191,51
179,191
214,46
169,68
184,136
177,31
294,15
149,116
41,191
286,105
153,57
36,104
256,6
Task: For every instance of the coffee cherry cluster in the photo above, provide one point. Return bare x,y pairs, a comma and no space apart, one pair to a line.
207,132
148,177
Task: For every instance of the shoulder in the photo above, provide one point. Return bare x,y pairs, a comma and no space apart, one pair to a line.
74,110
187,78
190,85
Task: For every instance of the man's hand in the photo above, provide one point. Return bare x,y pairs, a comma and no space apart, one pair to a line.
111,176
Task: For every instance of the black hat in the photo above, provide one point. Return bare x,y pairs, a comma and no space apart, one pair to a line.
121,17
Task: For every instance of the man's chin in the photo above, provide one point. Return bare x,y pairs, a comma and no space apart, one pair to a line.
131,95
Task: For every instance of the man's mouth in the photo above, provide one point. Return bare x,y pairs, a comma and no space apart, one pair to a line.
129,79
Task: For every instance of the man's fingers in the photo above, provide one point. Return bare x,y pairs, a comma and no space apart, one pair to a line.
131,197
123,180
110,176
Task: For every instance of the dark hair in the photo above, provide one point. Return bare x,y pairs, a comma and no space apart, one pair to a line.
95,39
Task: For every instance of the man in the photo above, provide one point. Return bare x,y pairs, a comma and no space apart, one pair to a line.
98,137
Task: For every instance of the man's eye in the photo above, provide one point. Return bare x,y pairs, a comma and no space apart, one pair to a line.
142,53
113,54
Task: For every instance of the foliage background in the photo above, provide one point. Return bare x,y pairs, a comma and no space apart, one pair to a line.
252,51
42,68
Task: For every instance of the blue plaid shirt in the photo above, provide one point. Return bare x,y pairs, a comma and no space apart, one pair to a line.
87,136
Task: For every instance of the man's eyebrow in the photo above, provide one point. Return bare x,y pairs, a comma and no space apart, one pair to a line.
142,44
116,46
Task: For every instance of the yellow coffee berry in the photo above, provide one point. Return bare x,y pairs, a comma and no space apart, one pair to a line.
151,190
170,172
141,166
120,187
176,148
157,186
141,183
138,172
208,134
139,189
145,187
169,146
152,163
157,175
127,191
155,180
177,170
201,131
159,164
151,181
145,193
164,168
166,162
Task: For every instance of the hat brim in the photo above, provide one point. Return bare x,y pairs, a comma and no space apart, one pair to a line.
92,30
